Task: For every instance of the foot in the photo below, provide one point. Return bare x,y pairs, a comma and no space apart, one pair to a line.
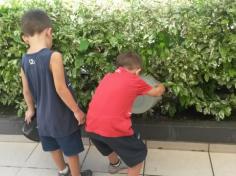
112,169
86,173
67,173
83,173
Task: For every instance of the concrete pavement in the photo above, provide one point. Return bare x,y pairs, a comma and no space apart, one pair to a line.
21,157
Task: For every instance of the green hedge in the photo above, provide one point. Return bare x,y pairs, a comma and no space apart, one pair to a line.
190,47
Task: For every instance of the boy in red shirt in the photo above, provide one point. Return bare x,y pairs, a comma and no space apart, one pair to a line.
109,116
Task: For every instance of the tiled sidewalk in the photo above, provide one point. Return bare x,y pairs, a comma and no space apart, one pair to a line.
19,157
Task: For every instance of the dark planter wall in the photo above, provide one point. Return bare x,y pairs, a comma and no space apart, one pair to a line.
189,131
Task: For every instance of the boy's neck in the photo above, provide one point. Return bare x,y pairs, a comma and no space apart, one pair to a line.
36,44
131,71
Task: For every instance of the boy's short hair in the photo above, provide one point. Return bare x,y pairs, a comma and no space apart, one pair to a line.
129,60
35,21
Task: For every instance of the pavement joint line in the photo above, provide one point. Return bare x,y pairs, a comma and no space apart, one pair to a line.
31,152
27,167
18,171
86,154
108,173
23,167
10,166
212,169
19,142
144,163
30,167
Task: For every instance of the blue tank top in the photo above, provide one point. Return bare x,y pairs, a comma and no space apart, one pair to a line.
54,118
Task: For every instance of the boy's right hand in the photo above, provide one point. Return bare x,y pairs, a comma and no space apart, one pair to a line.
28,115
158,90
161,86
80,116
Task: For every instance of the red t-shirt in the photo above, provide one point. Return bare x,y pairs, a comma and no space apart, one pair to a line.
109,112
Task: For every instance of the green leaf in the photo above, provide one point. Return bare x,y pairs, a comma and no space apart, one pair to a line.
233,38
183,76
171,111
206,77
84,44
221,115
176,89
113,41
198,107
232,72
223,52
227,111
78,62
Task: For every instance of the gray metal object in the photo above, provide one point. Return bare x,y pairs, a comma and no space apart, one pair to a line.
144,103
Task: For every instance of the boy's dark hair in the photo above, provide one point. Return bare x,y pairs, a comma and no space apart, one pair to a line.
130,60
35,21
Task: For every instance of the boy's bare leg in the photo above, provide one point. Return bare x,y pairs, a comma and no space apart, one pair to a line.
135,171
58,159
116,164
73,162
113,158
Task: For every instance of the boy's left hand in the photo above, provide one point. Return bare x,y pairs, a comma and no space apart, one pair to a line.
80,116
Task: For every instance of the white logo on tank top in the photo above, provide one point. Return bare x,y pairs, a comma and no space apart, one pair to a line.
118,71
31,61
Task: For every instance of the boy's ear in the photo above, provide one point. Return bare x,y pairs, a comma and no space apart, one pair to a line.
138,71
25,39
49,31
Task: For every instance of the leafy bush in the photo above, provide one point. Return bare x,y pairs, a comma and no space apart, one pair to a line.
190,47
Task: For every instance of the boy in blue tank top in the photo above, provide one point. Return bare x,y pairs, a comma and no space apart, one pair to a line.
46,87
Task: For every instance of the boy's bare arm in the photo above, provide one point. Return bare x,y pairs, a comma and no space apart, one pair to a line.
28,97
157,91
57,68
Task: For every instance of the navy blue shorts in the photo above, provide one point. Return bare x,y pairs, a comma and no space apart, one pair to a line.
70,145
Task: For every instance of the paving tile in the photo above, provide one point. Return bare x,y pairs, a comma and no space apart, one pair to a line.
177,145
41,159
224,164
222,148
177,163
83,154
14,138
36,172
15,154
96,162
86,141
9,171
